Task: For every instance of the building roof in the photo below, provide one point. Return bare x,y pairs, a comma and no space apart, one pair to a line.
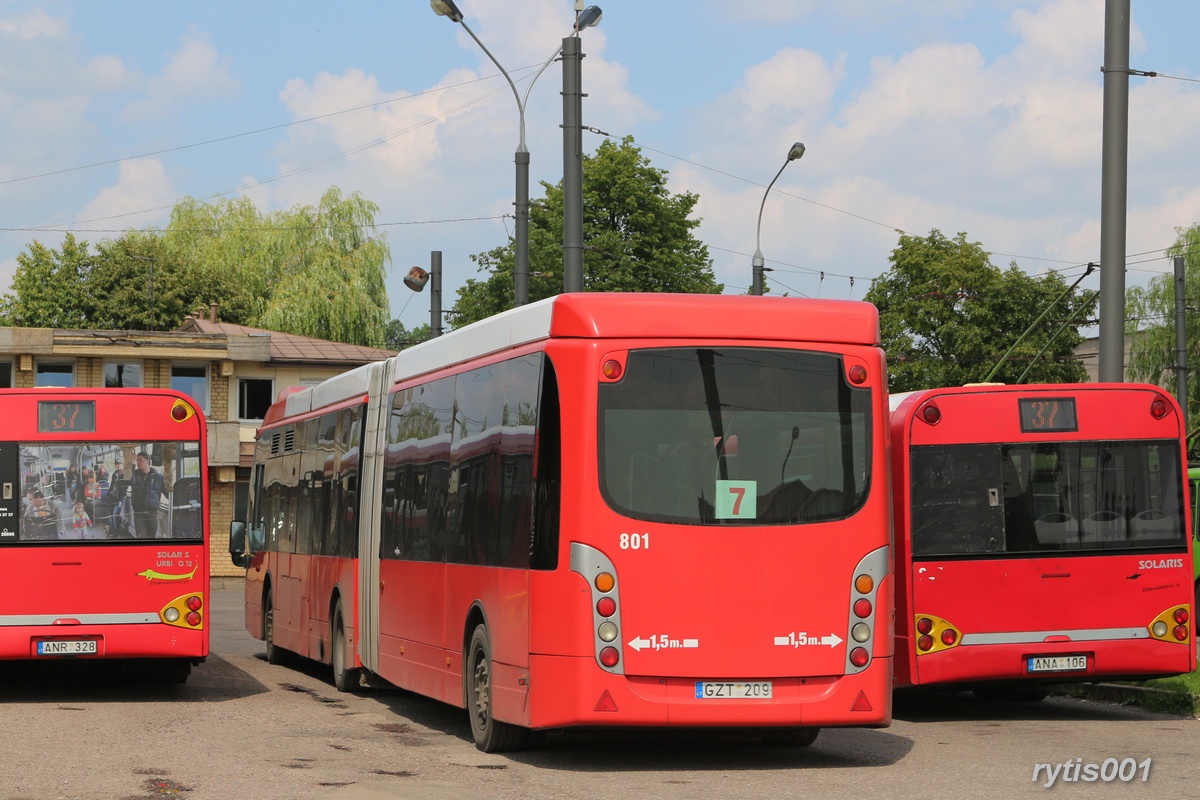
289,348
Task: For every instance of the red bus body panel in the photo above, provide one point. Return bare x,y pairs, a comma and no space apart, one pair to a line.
1009,609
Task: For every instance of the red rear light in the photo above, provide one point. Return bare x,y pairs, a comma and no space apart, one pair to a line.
193,619
194,603
859,657
606,607
1181,633
612,369
609,656
924,625
949,636
862,608
925,643
1181,616
1158,409
931,414
858,374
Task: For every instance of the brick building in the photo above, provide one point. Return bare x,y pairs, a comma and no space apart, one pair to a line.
232,372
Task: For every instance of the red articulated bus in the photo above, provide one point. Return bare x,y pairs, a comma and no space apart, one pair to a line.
1041,537
104,529
593,511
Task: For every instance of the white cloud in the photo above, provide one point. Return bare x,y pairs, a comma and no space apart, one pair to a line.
196,70
142,195
37,24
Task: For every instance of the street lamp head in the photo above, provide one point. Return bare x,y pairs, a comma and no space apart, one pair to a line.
446,8
796,152
588,18
416,279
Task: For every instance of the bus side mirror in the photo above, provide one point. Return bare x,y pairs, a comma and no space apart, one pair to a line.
237,544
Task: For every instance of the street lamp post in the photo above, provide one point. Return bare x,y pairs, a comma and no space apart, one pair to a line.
589,17
757,287
416,280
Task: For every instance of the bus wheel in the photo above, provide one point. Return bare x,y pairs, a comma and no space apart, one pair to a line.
176,671
490,735
275,654
346,680
791,737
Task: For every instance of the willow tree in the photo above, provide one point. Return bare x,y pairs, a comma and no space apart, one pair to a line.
310,270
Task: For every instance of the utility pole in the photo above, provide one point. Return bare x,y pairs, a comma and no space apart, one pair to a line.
1181,367
1114,190
572,166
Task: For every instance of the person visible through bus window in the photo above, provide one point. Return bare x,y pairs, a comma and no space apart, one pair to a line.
148,487
42,520
80,521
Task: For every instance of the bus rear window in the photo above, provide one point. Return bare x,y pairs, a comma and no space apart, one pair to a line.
96,492
734,436
1074,497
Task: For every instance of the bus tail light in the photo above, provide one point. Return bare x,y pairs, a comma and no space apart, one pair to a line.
604,591
936,634
182,412
1172,625
862,622
1158,408
184,612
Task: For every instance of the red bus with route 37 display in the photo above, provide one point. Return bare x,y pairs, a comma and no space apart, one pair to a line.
104,528
1041,537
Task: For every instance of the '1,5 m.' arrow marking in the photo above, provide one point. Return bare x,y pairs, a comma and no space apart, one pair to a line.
802,639
663,642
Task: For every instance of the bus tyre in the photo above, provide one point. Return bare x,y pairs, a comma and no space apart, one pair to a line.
490,735
791,737
346,680
275,654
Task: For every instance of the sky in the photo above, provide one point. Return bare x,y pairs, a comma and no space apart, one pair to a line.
974,116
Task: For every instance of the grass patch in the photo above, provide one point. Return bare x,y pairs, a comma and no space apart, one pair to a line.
1179,694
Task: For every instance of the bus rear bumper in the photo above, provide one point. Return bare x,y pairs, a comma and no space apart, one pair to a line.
1109,660
51,643
570,691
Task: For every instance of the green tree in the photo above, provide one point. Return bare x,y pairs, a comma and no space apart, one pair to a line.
312,271
50,287
397,337
947,316
637,237
1150,324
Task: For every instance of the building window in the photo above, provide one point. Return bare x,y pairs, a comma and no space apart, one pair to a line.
117,376
6,375
254,397
60,374
191,380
